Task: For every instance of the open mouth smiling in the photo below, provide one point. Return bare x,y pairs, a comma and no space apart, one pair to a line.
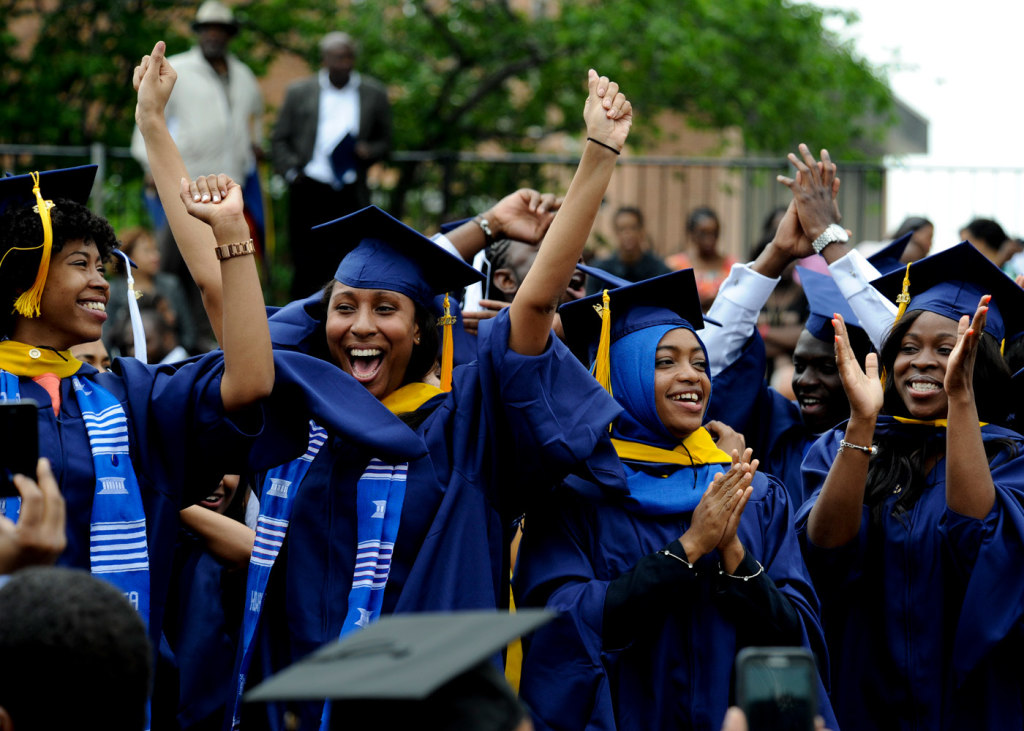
365,363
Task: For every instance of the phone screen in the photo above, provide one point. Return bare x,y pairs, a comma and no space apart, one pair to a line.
19,442
777,688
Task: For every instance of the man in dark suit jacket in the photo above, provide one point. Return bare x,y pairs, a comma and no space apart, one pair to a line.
331,128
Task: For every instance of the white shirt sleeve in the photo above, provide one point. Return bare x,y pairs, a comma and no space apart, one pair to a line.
474,292
853,274
740,298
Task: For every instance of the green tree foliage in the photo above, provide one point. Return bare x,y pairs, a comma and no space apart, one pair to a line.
467,71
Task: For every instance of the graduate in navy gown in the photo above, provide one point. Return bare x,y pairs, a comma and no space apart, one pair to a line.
668,564
128,447
914,530
349,533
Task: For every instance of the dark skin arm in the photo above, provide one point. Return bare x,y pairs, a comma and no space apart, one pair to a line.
969,487
836,516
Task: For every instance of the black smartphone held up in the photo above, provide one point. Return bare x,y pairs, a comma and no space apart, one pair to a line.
19,442
777,688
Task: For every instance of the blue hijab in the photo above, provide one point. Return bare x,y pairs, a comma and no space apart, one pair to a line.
632,357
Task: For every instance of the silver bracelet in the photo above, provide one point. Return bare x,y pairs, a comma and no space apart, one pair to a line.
668,553
760,570
485,226
870,451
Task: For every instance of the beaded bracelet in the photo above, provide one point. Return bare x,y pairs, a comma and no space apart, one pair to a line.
666,552
760,570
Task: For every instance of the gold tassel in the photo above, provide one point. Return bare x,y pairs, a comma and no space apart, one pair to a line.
447,346
903,298
1002,346
602,364
27,305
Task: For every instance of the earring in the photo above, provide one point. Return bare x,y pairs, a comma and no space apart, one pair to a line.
416,340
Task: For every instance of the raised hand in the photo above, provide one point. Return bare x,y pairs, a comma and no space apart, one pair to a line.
524,215
959,379
215,200
607,112
154,79
863,388
814,191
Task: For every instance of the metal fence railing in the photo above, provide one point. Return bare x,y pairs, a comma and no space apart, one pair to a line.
427,188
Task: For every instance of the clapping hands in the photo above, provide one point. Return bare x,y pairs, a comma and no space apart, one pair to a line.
717,515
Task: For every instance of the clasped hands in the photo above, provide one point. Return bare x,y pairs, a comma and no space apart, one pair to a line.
717,515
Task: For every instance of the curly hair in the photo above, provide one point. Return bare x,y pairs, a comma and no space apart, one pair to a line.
20,226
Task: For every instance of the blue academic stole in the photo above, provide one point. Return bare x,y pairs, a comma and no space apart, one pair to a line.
278,498
118,550
380,493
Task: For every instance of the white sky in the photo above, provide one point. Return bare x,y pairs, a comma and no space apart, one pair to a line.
959,65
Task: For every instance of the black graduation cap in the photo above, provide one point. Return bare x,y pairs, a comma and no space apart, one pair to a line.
381,252
952,282
434,667
71,183
887,259
824,299
665,299
22,191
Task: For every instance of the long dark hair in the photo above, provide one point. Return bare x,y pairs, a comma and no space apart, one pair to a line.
20,226
900,465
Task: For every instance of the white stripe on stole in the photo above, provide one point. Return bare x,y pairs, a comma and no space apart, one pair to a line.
273,521
118,547
115,568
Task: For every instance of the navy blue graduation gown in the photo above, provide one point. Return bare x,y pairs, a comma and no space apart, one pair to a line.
922,611
512,426
677,669
181,443
769,422
201,629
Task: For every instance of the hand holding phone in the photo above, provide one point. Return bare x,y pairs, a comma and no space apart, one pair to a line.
777,688
39,537
19,442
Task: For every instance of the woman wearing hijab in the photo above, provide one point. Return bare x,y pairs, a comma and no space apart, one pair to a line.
667,565
913,531
350,532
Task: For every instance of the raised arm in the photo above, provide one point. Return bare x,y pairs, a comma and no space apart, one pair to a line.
524,215
969,487
836,516
608,116
248,376
153,79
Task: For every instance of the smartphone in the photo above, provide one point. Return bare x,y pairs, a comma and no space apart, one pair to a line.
777,688
19,442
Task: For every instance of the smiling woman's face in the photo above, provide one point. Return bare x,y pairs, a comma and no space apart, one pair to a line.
681,383
74,302
370,335
919,370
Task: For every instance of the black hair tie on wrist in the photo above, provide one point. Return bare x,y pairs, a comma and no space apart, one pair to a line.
607,147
